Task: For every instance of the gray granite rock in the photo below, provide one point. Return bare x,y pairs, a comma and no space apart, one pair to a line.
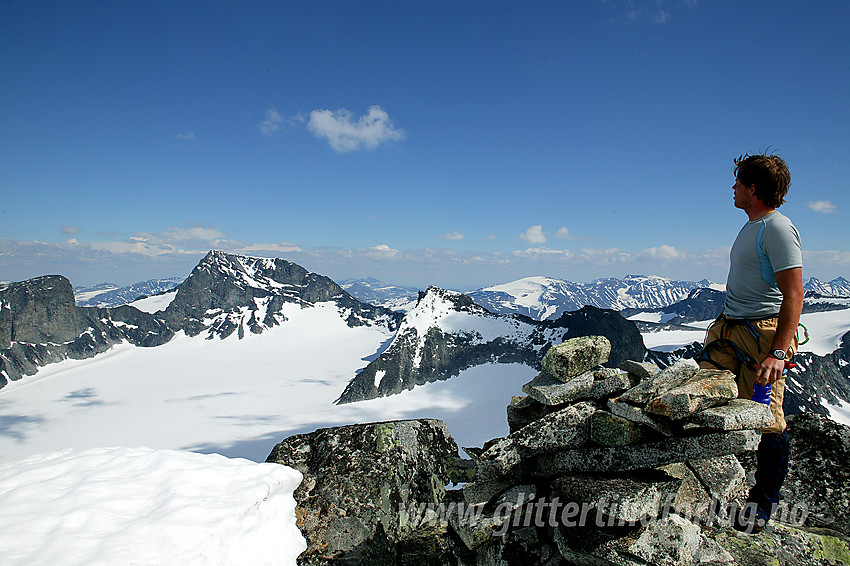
358,477
640,370
524,409
669,541
481,492
637,415
649,455
608,429
477,526
661,382
548,390
707,388
567,428
737,414
576,356
621,500
607,382
722,476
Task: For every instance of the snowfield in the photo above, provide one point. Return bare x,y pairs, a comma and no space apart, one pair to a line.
142,506
237,397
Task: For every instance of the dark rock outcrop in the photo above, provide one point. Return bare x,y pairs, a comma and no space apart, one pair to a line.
41,324
359,483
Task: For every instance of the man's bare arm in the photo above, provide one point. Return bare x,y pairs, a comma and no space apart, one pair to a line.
790,282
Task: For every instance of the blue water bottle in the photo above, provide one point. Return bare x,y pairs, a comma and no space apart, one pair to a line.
761,393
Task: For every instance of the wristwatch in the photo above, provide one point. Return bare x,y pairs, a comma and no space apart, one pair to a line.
778,354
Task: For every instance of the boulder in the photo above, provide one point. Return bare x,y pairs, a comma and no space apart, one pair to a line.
669,541
650,455
608,429
661,382
707,388
737,414
637,415
619,500
607,382
549,390
817,487
641,370
576,356
566,428
359,480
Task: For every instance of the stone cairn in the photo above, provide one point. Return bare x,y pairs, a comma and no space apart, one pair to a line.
633,459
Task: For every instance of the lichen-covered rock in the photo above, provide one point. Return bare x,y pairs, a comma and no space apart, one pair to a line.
619,500
640,370
737,414
661,382
567,428
669,541
608,429
723,476
637,415
549,390
524,410
607,382
707,388
576,356
357,481
784,545
650,455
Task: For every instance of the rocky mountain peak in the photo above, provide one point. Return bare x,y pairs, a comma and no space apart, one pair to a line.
438,300
38,310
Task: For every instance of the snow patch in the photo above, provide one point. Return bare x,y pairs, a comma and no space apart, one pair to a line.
143,506
840,413
156,303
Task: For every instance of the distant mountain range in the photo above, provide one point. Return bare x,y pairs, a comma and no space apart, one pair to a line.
111,295
374,292
443,333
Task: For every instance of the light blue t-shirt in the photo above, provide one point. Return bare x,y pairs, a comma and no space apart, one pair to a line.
762,248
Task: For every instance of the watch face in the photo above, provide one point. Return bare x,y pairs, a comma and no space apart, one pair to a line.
778,354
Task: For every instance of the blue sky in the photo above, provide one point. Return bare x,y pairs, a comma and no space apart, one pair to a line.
460,144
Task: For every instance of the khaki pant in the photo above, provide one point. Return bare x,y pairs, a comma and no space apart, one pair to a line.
746,377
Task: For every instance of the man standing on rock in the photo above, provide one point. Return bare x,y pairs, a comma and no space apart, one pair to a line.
756,334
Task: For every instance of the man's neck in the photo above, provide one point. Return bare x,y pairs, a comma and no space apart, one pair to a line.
758,210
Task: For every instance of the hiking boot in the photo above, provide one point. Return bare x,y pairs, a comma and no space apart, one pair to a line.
750,520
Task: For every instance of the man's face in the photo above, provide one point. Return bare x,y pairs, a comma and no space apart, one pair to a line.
743,195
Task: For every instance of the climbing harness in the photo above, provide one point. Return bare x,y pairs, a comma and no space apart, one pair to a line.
725,345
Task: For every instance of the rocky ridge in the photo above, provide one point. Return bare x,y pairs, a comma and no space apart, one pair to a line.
224,295
41,324
627,466
448,332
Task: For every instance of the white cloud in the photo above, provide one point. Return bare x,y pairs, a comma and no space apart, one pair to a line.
664,252
823,206
70,230
271,125
344,134
186,136
543,253
382,251
563,233
534,235
248,249
194,232
456,235
609,256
